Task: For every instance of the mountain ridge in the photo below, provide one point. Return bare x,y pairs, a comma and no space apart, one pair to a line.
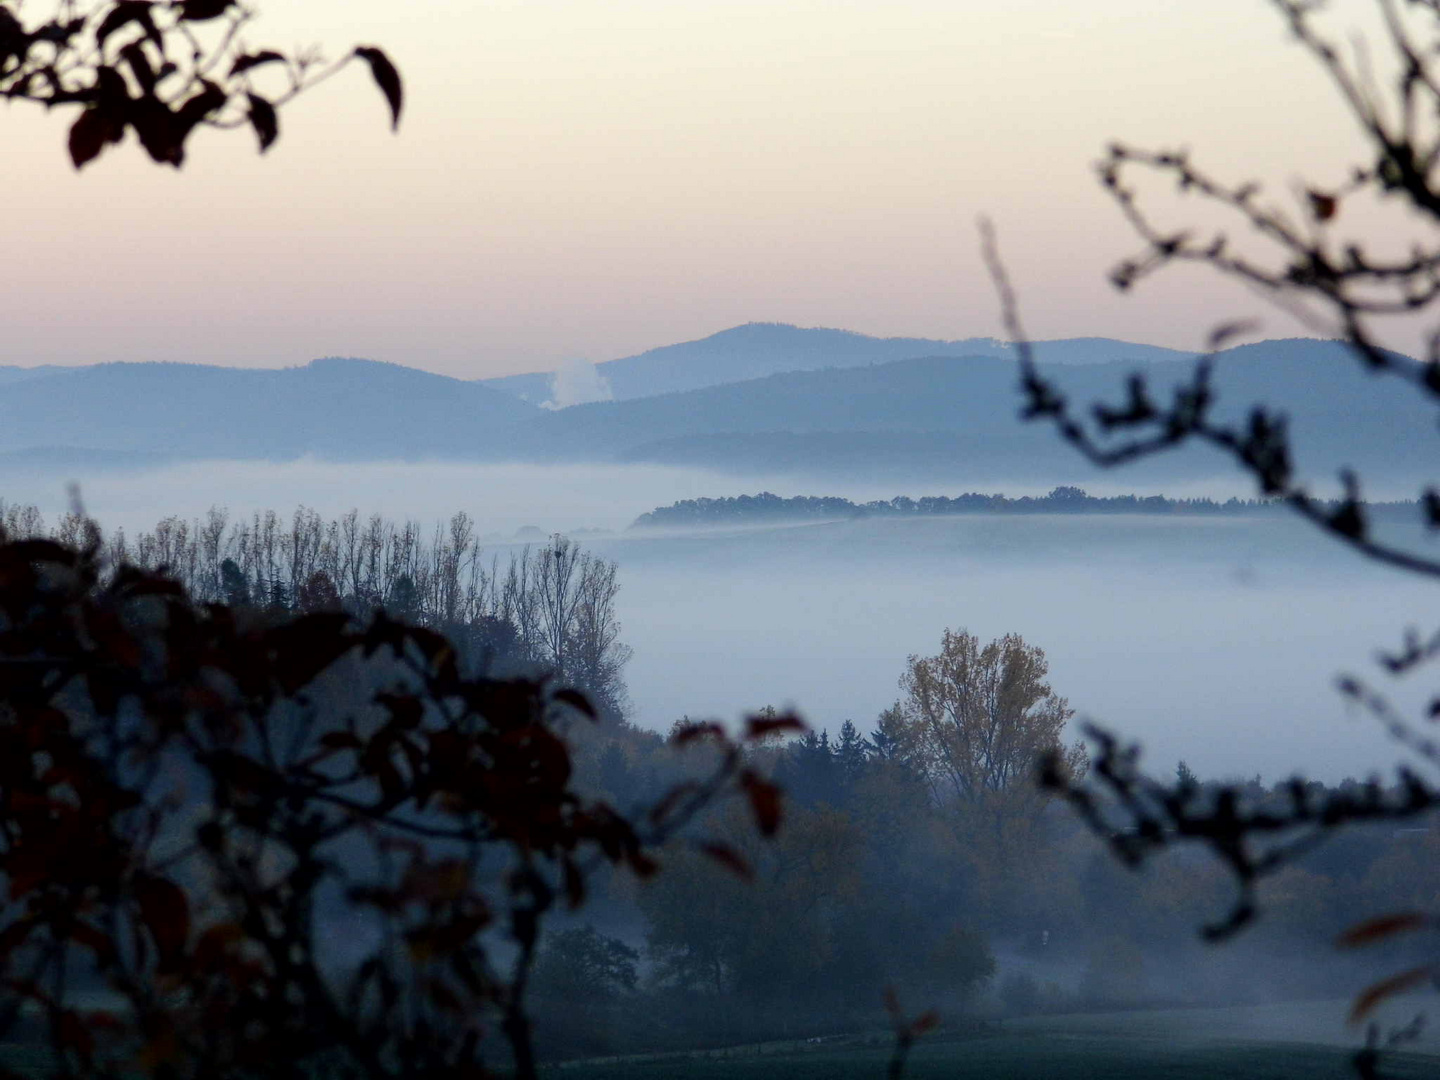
757,350
936,416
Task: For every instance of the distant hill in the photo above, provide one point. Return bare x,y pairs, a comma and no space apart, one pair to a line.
336,408
21,374
756,350
958,416
950,419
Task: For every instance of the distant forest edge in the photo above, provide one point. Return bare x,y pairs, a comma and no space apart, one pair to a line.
767,508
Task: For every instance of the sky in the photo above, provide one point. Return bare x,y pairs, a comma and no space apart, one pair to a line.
583,180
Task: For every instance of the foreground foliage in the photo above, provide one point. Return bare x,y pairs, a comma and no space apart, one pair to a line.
163,69
1305,259
241,844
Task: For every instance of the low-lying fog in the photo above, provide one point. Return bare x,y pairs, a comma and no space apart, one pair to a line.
1214,640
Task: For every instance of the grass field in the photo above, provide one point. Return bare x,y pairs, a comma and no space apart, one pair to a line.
1273,1043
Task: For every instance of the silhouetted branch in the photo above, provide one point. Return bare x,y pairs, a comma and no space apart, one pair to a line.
161,68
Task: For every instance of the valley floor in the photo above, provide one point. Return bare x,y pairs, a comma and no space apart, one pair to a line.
1272,1042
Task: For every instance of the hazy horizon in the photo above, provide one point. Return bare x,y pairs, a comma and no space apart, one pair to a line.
576,183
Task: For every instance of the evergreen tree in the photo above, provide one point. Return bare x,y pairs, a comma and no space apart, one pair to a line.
851,752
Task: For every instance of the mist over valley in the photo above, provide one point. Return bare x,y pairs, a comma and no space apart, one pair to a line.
1215,638
777,519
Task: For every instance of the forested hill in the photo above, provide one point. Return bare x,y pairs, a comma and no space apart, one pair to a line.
757,350
335,408
767,509
944,422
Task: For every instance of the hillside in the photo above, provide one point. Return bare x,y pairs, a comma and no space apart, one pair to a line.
959,417
756,350
336,408
936,417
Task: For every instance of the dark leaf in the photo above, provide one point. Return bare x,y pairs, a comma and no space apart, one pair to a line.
927,1021
1228,331
216,942
764,802
574,884
405,709
386,77
198,108
1323,206
155,124
88,136
14,935
671,799
200,10
727,857
246,61
123,14
758,727
74,1035
1372,930
576,700
1388,988
166,914
134,56
693,732
340,740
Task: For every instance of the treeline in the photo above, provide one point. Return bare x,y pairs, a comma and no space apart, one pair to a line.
881,879
547,607
767,508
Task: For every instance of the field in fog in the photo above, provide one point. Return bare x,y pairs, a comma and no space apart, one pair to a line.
1213,640
1253,1043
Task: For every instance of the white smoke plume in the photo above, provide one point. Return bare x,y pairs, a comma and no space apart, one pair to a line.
577,382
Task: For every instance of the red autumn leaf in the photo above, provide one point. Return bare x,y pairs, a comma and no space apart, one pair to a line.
727,857
1383,926
691,732
1388,988
764,802
927,1021
662,809
758,727
641,865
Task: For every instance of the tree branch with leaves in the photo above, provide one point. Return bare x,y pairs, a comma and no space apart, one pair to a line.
1298,256
162,69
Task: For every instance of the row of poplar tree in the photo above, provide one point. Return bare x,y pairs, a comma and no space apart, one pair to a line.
547,606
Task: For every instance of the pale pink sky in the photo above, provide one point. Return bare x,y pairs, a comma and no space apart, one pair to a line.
576,178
